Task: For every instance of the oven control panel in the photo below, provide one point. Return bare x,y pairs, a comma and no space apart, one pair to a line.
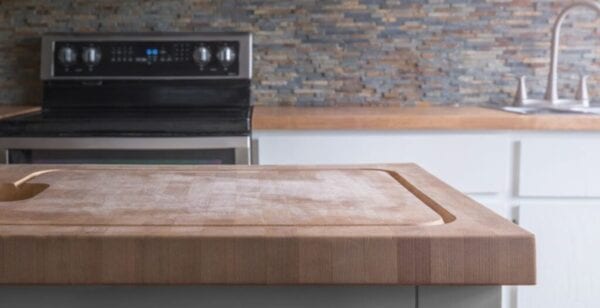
147,56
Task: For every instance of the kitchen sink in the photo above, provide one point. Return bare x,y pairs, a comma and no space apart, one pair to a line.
538,109
586,110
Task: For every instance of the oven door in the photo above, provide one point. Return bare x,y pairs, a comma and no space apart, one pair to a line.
126,150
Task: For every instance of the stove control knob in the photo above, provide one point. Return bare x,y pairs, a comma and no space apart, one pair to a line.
226,56
92,56
67,56
202,55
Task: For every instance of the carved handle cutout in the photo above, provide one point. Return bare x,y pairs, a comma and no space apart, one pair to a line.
21,190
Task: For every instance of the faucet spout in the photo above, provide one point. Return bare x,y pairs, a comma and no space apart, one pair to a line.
552,88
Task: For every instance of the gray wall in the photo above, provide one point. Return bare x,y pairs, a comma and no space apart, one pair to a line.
325,52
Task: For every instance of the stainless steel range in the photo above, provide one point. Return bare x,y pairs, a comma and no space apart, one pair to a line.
138,98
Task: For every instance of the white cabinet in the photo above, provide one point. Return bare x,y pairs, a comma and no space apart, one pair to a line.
533,172
568,250
560,166
473,163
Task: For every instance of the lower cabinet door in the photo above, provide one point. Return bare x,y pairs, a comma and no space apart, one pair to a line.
568,252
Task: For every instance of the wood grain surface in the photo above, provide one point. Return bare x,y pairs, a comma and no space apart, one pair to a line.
396,118
217,198
11,111
414,118
73,238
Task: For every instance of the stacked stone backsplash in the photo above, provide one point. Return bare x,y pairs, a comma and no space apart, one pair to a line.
326,52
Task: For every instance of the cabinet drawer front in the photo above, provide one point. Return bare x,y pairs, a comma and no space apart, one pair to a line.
473,163
560,167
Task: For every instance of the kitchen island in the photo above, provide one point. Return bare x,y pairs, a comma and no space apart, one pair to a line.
328,234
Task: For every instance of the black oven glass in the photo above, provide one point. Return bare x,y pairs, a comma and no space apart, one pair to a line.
170,157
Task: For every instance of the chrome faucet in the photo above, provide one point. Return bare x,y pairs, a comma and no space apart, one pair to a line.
551,97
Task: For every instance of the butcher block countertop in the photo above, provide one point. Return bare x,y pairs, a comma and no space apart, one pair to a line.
414,118
372,224
396,118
